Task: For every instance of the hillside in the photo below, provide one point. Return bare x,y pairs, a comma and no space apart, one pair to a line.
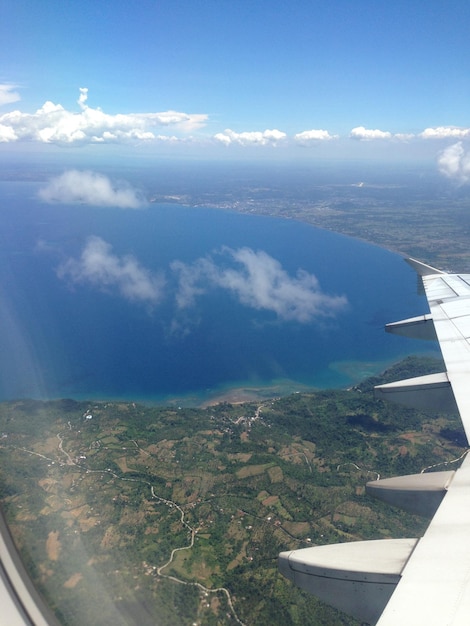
165,516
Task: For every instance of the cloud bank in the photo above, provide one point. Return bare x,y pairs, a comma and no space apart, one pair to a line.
52,123
86,187
99,267
259,282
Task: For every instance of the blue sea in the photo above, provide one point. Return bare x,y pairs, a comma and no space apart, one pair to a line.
177,307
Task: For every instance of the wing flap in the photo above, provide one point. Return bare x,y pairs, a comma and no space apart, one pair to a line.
419,494
429,584
435,585
357,578
449,301
432,392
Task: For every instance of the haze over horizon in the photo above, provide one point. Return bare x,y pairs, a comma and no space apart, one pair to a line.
222,80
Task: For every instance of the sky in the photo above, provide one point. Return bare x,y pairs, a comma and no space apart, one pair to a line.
255,79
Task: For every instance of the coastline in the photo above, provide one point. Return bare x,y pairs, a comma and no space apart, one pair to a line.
239,392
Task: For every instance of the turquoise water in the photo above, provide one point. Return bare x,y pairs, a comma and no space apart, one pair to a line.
82,336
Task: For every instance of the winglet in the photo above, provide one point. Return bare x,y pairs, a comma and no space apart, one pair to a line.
422,269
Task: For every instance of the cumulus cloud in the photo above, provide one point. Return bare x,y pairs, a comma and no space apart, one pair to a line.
445,132
52,123
86,187
8,94
257,281
254,278
312,136
261,138
454,162
7,134
101,268
364,134
367,134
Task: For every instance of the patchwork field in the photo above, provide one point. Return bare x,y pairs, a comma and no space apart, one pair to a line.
133,514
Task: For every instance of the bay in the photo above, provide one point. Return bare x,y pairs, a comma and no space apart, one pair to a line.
64,337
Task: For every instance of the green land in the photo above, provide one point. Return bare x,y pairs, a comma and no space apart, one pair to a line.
414,215
126,513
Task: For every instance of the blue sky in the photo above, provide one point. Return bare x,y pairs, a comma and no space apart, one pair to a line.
313,79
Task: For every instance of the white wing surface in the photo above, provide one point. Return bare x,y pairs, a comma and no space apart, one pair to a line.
430,585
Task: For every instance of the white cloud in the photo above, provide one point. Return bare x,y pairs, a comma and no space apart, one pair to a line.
364,134
314,135
54,124
368,134
260,282
254,278
86,187
445,132
83,97
192,280
8,95
99,267
404,136
7,134
454,163
261,138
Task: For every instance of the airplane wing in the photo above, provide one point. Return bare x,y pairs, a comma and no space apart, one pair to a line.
420,581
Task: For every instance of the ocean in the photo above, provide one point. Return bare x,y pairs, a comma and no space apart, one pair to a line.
188,305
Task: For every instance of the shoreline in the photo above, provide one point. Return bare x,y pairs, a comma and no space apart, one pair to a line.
353,372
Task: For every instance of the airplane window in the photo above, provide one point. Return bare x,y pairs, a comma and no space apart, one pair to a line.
204,213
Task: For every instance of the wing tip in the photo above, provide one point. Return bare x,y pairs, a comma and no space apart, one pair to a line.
422,269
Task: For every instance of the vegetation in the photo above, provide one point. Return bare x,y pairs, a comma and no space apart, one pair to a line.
133,514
